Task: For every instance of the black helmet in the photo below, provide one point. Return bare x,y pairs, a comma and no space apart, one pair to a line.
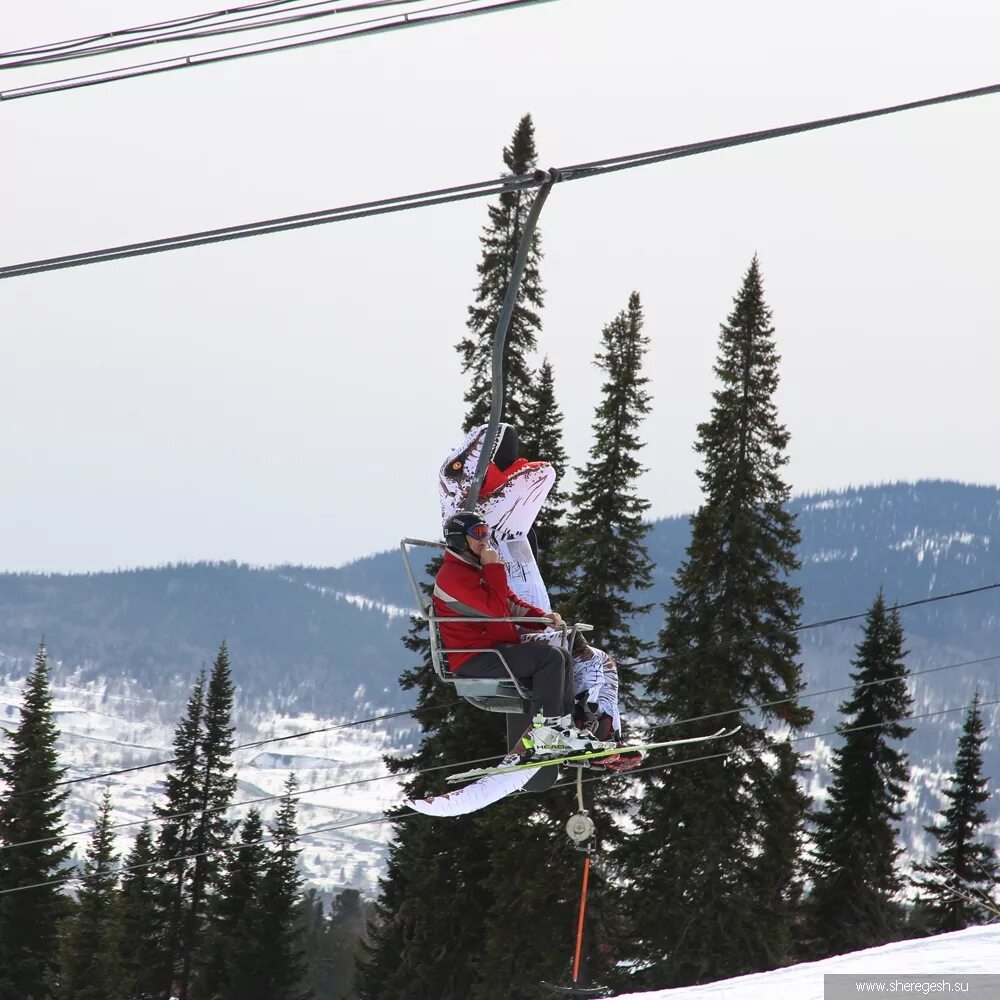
457,528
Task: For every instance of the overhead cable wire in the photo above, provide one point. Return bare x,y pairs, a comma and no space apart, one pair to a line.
480,189
481,760
402,816
282,43
245,18
823,623
296,795
440,707
67,879
839,731
240,746
462,192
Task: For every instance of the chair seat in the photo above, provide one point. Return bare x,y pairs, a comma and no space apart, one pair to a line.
489,694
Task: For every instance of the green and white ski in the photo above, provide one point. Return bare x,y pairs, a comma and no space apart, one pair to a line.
587,755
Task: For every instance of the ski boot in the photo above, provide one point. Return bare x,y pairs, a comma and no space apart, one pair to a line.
556,736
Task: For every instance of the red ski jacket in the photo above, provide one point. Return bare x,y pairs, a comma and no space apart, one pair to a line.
462,589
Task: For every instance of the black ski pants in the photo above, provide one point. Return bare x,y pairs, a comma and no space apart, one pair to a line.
545,668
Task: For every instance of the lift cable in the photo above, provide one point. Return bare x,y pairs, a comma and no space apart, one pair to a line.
441,13
481,189
703,650
235,19
239,746
839,731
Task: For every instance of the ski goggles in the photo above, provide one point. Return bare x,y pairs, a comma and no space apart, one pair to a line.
479,531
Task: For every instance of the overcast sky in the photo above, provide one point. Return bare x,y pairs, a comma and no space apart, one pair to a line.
288,398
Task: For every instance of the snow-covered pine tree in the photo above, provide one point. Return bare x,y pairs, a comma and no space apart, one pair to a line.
500,241
852,903
711,866
91,939
140,920
31,814
958,884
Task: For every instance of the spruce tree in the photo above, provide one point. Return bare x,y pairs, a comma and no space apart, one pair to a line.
345,932
89,967
429,925
430,928
140,920
232,956
179,815
853,864
541,439
211,830
31,814
603,550
534,890
960,878
320,976
500,241
603,541
281,945
711,865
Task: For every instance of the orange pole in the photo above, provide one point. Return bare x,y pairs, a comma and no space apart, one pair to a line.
583,913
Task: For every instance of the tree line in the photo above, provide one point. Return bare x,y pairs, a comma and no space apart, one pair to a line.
710,863
203,907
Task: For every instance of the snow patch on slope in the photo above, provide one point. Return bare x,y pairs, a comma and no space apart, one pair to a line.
972,951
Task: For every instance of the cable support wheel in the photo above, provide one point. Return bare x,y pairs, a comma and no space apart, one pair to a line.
580,827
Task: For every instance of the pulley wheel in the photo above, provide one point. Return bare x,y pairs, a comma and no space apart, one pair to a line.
580,828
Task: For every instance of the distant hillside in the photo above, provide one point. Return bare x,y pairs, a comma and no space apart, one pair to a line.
323,639
292,642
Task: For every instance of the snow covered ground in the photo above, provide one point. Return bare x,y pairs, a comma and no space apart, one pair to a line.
976,950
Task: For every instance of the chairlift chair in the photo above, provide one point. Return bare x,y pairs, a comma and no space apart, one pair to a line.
490,694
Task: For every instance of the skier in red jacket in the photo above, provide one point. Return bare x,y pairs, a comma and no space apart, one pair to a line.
472,583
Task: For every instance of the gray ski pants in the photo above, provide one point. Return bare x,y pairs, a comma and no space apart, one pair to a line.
545,668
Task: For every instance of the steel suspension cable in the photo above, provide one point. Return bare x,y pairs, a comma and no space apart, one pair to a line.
822,623
240,746
839,731
245,18
481,189
283,43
